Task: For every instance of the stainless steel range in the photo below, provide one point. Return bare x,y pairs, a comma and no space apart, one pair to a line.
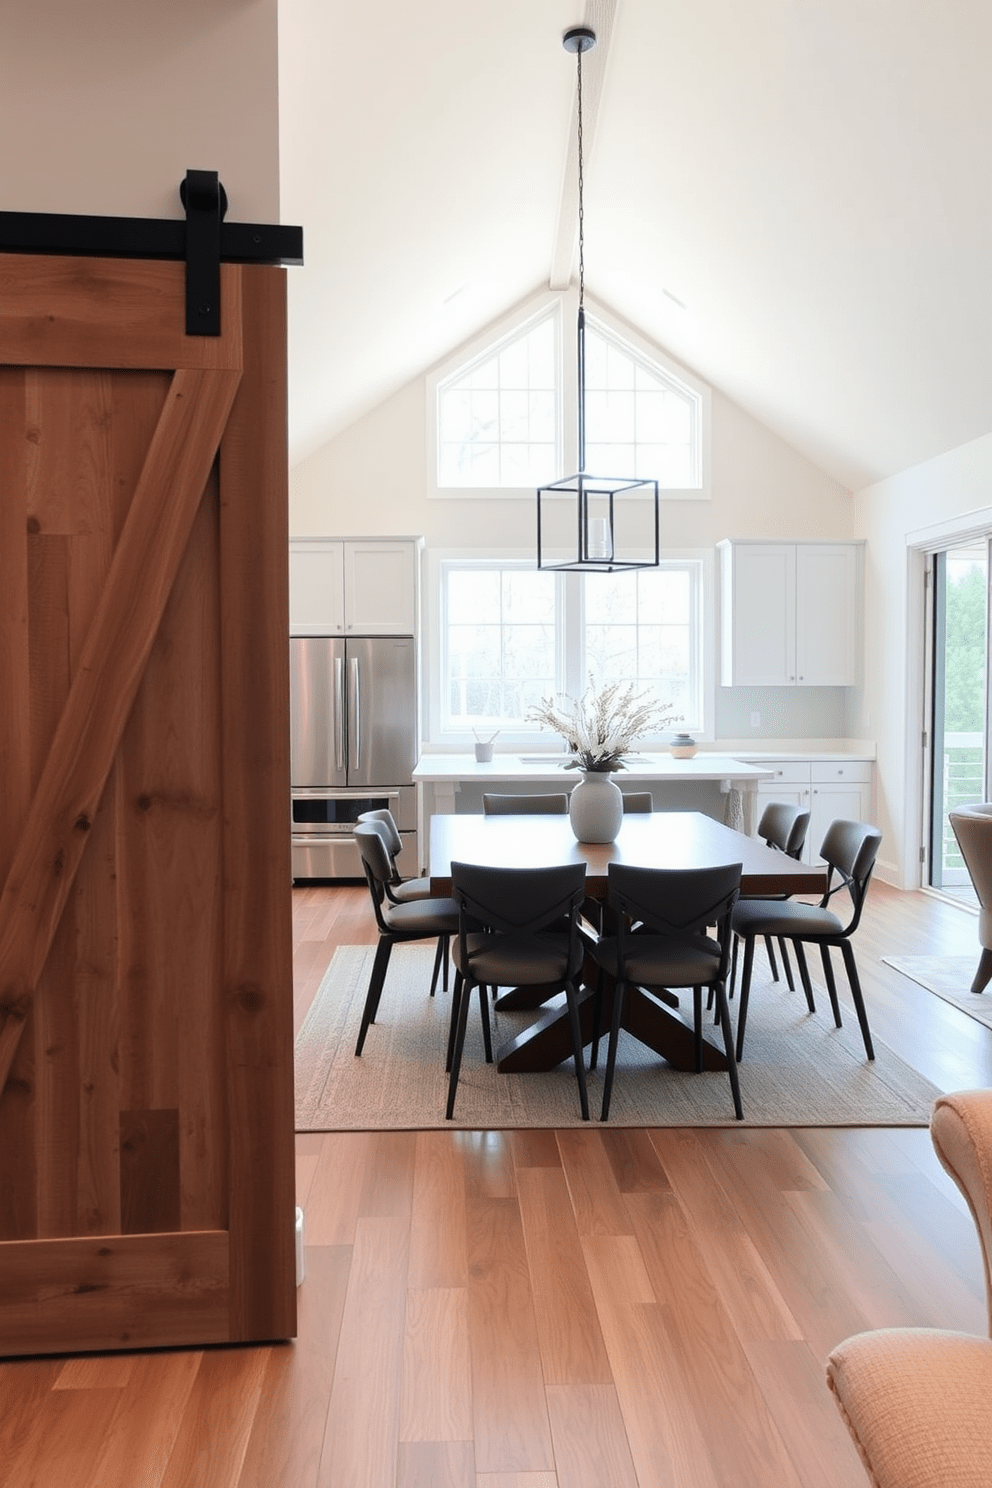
354,746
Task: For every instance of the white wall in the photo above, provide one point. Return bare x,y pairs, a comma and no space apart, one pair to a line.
105,105
372,478
890,709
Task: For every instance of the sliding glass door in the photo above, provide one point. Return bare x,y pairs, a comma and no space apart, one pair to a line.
959,712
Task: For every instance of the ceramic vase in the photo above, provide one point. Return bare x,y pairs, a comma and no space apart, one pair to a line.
596,807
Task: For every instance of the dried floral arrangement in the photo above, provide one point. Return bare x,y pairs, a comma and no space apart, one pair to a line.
600,727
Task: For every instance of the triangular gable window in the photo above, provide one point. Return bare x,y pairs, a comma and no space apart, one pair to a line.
498,417
640,420
505,420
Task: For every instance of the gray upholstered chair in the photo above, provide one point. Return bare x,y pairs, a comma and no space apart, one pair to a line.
638,801
422,919
916,1400
519,927
671,909
399,890
783,827
849,850
972,826
555,804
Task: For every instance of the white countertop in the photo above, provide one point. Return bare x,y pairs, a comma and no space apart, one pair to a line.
706,765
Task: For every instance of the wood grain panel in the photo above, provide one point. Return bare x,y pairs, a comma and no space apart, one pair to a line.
363,1412
210,1445
112,1291
703,1338
668,1439
172,920
64,1440
591,1448
791,1379
572,1350
596,1197
436,1396
100,698
142,1433
258,960
53,310
438,1254
18,1192
745,1283
287,1434
435,1465
149,1171
512,1433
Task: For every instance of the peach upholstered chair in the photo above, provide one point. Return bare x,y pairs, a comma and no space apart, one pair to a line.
918,1402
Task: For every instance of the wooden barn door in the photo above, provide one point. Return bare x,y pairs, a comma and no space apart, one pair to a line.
146,1124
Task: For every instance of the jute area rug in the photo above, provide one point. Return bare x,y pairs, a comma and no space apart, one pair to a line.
798,1069
950,977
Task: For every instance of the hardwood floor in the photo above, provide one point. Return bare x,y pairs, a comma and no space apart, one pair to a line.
596,1308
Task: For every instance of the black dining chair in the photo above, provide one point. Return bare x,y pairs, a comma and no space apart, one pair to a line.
849,850
783,827
672,909
516,927
402,890
554,804
422,919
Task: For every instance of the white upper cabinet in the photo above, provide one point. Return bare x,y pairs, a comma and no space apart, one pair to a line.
353,586
790,614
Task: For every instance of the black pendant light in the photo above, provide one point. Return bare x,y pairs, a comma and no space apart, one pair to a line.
588,523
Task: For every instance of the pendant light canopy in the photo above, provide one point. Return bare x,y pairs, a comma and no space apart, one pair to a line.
588,523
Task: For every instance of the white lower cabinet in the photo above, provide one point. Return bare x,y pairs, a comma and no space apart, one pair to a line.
829,789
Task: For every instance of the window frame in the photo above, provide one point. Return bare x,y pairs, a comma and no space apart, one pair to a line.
569,644
563,305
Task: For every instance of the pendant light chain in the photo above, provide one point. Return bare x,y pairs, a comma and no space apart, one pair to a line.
582,260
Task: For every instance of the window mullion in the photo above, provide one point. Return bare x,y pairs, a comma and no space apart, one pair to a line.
572,640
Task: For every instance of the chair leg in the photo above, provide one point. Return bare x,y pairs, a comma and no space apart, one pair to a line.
847,950
769,947
728,1044
379,966
745,993
984,973
487,1032
597,1018
459,1043
619,989
453,1020
439,956
697,1027
786,964
572,999
804,974
828,977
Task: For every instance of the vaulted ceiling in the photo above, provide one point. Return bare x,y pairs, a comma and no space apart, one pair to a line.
793,197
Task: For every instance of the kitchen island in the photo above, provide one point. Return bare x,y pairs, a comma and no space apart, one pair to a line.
722,787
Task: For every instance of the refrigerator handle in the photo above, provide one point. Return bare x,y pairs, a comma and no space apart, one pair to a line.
355,710
339,712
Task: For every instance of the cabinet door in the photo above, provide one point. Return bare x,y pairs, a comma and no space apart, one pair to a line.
829,802
380,588
826,615
759,603
316,587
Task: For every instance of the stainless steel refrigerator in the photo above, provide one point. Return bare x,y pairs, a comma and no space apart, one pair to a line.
353,706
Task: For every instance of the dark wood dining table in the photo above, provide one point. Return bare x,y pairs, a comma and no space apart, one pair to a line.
660,839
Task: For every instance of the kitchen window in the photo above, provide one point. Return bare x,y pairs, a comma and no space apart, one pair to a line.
507,635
